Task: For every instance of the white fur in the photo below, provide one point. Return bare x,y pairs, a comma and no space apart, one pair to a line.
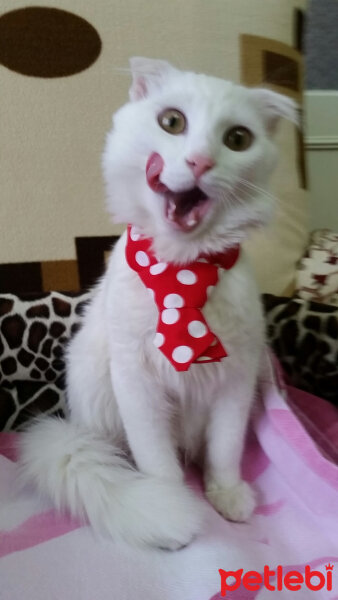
127,403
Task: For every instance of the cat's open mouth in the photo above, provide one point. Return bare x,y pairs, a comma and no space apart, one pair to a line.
186,210
183,210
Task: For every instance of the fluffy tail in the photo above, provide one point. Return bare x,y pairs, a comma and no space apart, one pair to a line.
87,476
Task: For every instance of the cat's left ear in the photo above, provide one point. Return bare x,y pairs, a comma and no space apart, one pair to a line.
147,74
276,106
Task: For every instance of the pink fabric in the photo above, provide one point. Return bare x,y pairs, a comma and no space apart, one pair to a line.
295,523
8,445
320,419
35,530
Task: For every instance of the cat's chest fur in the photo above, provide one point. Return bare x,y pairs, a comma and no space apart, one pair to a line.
233,313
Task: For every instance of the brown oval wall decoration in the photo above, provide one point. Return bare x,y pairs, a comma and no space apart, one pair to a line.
47,42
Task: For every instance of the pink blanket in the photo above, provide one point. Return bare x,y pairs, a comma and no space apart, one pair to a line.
291,542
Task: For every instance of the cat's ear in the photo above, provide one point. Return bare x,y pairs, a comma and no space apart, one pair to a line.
147,74
276,106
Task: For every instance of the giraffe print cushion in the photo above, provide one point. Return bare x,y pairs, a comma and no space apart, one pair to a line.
304,336
34,331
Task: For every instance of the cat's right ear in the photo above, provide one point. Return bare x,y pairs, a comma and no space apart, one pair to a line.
275,106
147,74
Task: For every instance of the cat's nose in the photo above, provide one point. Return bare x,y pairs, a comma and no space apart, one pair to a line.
199,164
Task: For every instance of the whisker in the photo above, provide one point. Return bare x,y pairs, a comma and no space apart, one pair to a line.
280,208
248,187
233,198
252,185
229,196
256,188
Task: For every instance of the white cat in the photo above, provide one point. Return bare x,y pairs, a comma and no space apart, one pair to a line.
115,460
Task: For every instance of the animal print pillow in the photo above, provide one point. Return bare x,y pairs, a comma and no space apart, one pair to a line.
34,331
304,336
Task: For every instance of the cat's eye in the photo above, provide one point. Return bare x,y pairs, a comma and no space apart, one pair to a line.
172,121
238,138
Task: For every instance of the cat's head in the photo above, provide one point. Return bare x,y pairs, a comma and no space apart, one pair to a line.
189,157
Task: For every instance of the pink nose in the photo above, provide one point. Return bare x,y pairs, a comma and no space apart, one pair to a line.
200,164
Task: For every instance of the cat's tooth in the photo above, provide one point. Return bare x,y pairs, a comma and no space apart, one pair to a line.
171,210
192,222
192,218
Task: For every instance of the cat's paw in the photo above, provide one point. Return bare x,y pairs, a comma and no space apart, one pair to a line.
175,515
236,502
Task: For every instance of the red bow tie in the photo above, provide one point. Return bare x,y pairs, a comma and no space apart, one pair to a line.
180,293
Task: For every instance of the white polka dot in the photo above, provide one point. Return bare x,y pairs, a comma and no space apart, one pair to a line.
197,329
159,340
200,358
158,268
182,354
142,258
210,289
151,293
214,343
187,277
170,316
135,234
173,301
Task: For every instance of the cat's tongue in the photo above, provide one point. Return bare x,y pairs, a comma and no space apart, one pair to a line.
154,169
184,210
